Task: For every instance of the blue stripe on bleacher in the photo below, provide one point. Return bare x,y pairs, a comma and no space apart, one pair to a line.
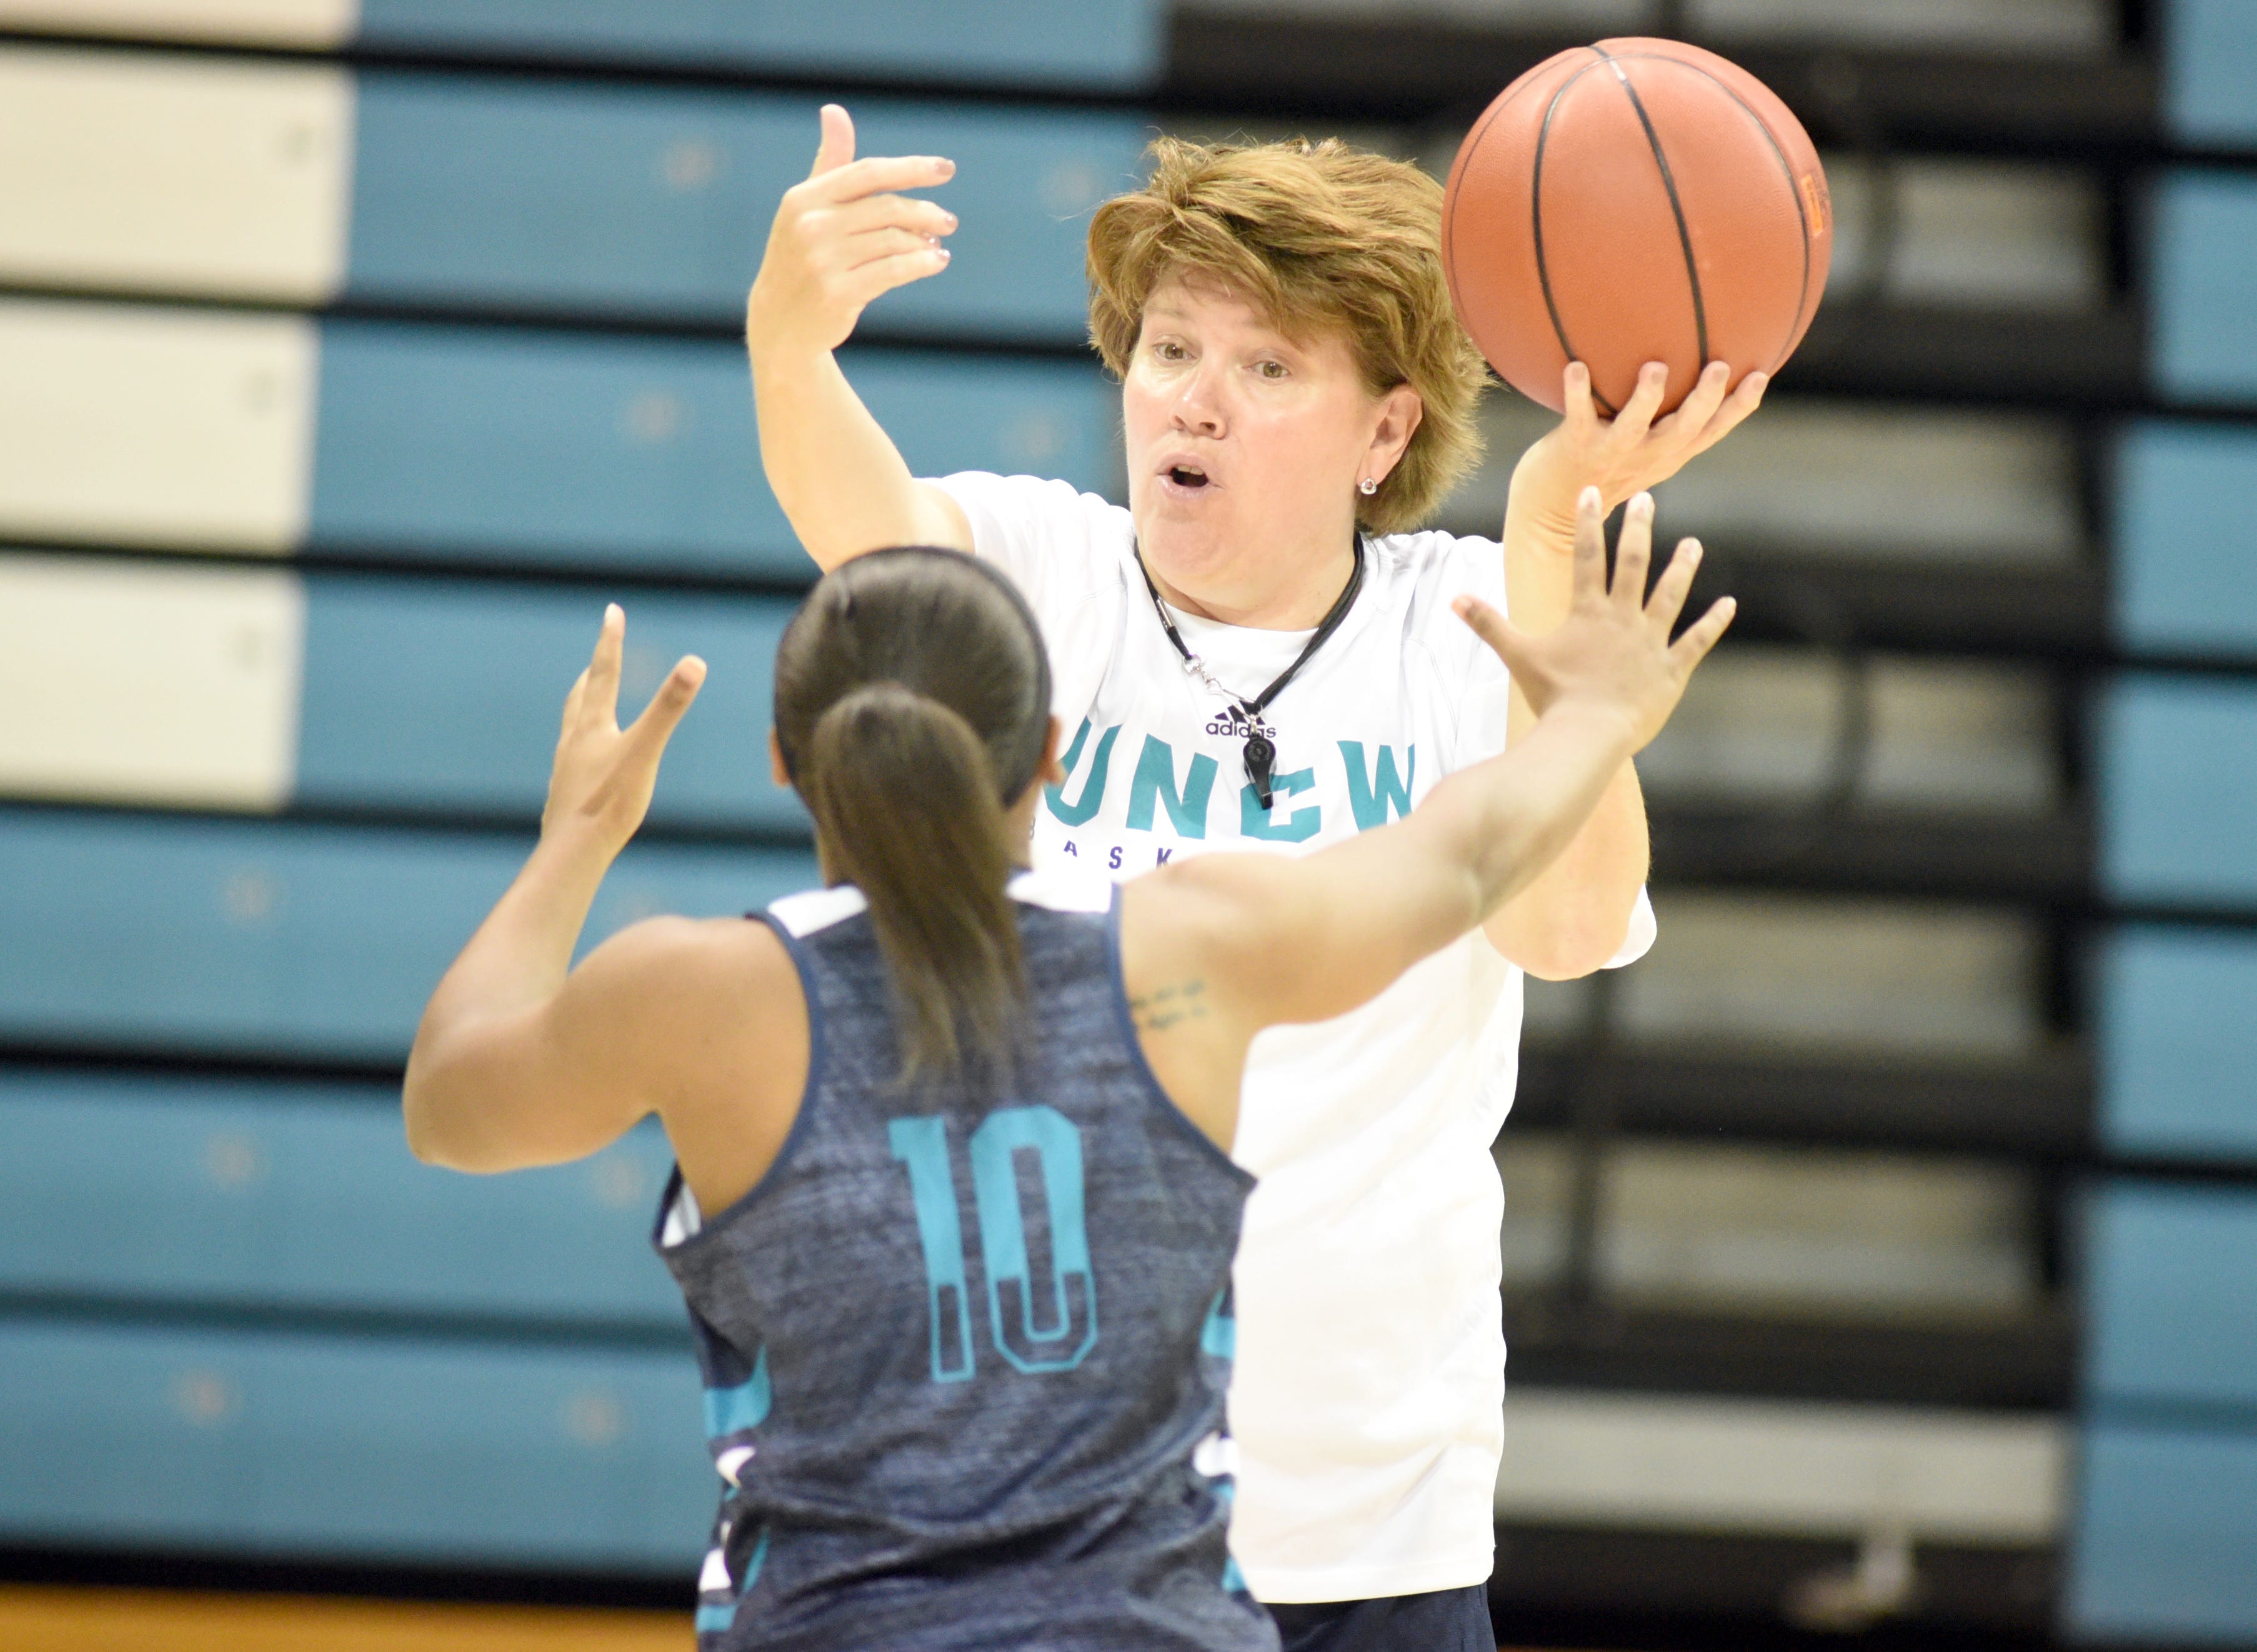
2173,813
294,1445
1111,44
2203,286
266,938
617,201
2165,1550
2176,1042
2171,1296
248,1194
2182,584
443,443
424,695
2210,72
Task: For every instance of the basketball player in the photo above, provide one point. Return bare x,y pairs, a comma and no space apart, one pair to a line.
1257,653
930,1443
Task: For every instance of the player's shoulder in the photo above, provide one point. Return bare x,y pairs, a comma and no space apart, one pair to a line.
675,956
1425,572
1031,501
1062,545
1433,563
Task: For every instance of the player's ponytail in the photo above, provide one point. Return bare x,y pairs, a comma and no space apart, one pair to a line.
905,805
912,701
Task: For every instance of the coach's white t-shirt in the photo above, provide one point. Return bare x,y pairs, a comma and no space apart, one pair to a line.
1367,1398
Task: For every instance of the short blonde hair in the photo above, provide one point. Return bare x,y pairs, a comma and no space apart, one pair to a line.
1315,236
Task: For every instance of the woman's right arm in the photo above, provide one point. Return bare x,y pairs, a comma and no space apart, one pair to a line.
841,239
1217,947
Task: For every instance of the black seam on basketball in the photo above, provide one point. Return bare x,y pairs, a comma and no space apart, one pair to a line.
1793,188
1676,210
1536,217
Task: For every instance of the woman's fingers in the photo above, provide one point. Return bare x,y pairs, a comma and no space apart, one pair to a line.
837,147
1673,587
1637,415
1694,414
1701,636
874,175
883,275
572,701
1495,630
859,250
655,726
1590,569
1582,413
1746,396
1700,434
600,702
1633,551
890,211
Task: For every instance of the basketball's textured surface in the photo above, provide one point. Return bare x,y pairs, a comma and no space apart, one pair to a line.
1631,201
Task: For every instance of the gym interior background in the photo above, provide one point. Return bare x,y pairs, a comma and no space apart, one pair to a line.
1881,1253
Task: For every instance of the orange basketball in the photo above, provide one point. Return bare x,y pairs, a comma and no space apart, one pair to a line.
1631,201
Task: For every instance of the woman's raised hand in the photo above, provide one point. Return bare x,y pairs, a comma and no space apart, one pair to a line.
1613,651
603,776
1632,451
842,237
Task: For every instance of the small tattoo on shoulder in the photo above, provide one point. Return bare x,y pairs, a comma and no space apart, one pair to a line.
1171,1006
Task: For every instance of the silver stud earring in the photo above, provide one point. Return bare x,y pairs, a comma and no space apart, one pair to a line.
1367,487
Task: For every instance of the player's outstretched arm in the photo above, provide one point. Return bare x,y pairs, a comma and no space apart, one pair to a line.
516,1062
842,237
1639,449
1215,948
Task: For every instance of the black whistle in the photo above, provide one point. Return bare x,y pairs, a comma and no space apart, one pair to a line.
1260,755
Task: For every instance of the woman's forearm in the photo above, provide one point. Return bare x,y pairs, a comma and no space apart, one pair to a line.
1573,918
842,482
516,962
1522,812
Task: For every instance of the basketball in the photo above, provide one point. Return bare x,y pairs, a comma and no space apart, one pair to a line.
1631,201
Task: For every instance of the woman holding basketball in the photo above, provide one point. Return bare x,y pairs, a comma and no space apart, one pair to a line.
1258,654
929,1442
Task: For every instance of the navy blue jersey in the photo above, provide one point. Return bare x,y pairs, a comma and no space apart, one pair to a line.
965,1345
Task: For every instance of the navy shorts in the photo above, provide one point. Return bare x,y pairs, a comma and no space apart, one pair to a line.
1447,1620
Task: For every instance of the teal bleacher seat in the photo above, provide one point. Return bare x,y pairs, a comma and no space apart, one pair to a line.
626,201
443,696
2203,286
263,938
2182,586
2171,1297
454,443
186,1192
2165,1548
2177,1044
333,1444
2210,72
1096,44
2175,790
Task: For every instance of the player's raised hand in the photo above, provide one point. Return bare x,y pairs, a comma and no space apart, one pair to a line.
1613,651
1633,450
603,775
841,237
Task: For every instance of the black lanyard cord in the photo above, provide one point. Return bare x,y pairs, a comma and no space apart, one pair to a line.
1261,755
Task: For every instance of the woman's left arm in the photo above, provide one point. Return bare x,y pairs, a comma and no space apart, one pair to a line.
1575,917
520,1059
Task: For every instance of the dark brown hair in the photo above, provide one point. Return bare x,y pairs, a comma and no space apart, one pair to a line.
1315,236
912,701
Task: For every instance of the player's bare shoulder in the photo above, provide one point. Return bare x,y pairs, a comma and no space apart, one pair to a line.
704,984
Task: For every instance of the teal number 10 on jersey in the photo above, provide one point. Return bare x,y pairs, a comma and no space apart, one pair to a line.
1034,1331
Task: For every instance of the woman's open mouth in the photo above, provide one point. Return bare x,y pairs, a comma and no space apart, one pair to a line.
1185,476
